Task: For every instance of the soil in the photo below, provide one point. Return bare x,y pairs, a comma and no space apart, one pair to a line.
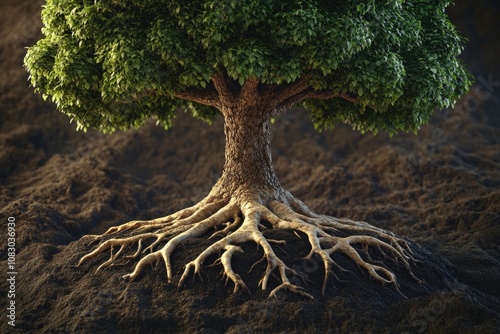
440,189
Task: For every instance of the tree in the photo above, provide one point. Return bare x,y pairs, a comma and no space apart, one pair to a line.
376,65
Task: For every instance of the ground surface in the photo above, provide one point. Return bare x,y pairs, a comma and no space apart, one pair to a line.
440,189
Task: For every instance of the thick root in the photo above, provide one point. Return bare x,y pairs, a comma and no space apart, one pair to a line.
241,222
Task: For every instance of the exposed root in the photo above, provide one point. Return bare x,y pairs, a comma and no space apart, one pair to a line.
241,221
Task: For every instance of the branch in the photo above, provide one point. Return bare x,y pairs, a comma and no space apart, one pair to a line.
221,84
292,89
348,97
325,95
312,94
208,97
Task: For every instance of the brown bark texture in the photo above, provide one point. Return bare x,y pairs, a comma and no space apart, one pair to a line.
248,194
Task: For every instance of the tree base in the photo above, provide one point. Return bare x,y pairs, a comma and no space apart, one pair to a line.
243,219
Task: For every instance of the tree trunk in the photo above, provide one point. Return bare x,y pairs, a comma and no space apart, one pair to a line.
247,193
248,163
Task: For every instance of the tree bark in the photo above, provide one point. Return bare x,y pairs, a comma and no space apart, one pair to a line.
247,193
248,162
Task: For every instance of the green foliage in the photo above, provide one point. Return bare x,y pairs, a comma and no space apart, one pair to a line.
112,64
409,70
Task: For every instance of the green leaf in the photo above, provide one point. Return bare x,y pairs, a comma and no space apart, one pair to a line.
113,64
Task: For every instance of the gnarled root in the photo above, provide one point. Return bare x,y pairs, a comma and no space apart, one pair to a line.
242,221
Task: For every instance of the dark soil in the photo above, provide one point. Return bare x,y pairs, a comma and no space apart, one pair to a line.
440,189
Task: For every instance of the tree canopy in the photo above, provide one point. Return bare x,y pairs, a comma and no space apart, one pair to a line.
375,64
